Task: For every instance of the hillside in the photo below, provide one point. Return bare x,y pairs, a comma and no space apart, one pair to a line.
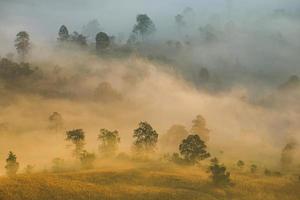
145,183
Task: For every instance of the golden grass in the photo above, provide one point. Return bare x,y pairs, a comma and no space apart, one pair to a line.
145,182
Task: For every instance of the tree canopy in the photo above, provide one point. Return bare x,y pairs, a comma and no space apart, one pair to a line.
193,149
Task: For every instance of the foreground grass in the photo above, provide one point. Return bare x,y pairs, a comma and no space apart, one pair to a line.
145,182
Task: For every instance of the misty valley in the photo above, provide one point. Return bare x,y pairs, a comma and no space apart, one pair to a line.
187,100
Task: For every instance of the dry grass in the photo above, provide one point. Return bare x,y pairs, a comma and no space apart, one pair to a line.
145,182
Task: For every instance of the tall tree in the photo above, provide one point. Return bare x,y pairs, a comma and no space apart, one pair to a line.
109,142
87,159
12,165
179,20
63,33
22,44
77,137
169,142
199,128
91,29
145,138
193,149
55,121
144,26
102,41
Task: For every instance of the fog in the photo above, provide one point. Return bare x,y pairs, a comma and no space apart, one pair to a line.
250,107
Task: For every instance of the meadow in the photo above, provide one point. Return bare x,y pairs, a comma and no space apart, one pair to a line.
146,181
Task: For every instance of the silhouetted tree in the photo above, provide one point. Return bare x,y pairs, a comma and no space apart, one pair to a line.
109,142
204,75
240,164
287,155
253,168
179,20
78,39
102,41
12,165
219,174
56,121
199,128
193,149
77,138
87,159
144,26
63,33
145,138
22,44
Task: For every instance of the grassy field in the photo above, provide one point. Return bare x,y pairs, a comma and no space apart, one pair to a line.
145,182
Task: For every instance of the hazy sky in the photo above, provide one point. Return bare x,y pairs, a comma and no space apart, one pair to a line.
43,18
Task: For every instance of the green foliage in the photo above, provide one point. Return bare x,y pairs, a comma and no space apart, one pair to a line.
12,165
109,142
144,26
102,41
193,149
77,137
87,159
22,44
219,174
145,138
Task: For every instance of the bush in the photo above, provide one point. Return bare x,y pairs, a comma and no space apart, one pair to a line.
219,174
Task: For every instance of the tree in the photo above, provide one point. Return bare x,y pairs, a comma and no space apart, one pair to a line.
63,33
193,149
77,137
78,39
145,138
170,141
240,164
144,26
87,159
199,128
56,121
22,44
288,154
102,41
91,29
106,93
109,142
204,75
179,20
219,174
253,168
12,165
